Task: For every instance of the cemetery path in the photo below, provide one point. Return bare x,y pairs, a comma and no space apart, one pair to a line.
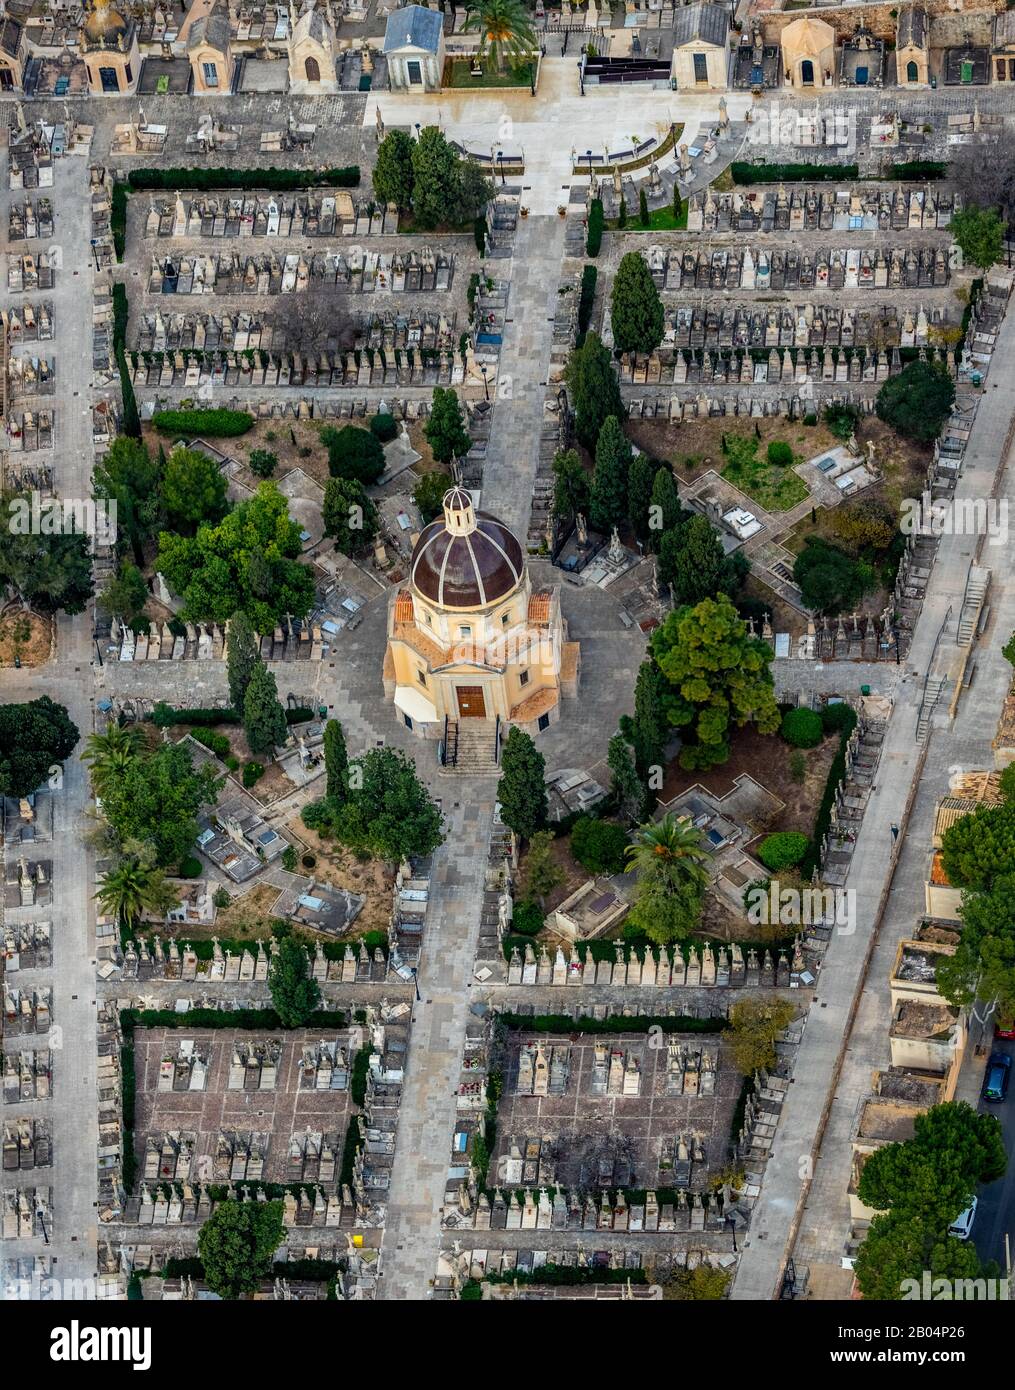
71,1240
513,451
847,1034
426,1116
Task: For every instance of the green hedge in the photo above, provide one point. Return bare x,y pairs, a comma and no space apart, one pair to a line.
352,1139
810,861
118,218
165,716
588,293
917,169
127,1088
615,1023
271,179
597,221
253,1020
358,1079
211,424
121,313
791,173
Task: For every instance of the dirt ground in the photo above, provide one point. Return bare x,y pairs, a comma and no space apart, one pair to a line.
766,758
25,635
249,916
576,875
372,880
273,784
694,446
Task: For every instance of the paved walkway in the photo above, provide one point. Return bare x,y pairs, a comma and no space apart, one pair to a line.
426,1117
839,1051
512,455
72,1111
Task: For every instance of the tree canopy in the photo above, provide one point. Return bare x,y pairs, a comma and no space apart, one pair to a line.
294,990
33,737
445,428
608,501
979,233
692,562
51,573
918,401
236,1245
128,475
193,490
392,174
263,716
353,453
155,798
829,580
248,561
387,811
349,515
521,790
595,391
718,677
980,847
636,311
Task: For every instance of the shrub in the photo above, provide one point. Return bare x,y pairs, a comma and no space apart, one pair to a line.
252,773
263,462
384,427
282,180
527,918
594,236
802,728
782,850
479,234
588,294
598,845
221,897
836,717
289,859
165,716
190,867
232,763
212,424
780,455
797,766
299,714
218,743
353,453
792,173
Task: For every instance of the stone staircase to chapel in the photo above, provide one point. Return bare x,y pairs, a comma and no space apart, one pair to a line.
472,744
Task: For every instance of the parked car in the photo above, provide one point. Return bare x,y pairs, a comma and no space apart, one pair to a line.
996,1078
963,1223
1005,1030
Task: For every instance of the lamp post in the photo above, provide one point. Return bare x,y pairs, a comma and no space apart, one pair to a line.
588,156
417,132
500,165
415,984
482,372
581,77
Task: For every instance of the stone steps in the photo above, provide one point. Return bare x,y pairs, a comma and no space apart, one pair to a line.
476,754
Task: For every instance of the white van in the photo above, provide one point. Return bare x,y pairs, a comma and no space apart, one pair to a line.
963,1223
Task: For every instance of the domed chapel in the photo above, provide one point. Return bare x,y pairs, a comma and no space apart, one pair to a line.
470,639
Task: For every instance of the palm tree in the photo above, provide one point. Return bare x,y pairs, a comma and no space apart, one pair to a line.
504,29
108,754
669,851
135,885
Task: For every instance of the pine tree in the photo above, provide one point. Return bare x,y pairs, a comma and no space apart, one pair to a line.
648,730
665,510
640,477
336,762
636,311
263,716
608,504
624,780
521,790
241,657
595,391
643,208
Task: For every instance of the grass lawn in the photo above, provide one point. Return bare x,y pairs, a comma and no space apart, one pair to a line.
458,74
773,487
661,220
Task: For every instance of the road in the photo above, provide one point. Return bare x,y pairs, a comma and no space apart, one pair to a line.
803,1204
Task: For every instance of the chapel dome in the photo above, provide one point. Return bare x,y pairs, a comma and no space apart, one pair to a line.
103,22
465,559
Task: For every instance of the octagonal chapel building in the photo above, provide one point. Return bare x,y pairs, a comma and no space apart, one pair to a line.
470,639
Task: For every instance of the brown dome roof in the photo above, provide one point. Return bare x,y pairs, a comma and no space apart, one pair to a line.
104,22
465,559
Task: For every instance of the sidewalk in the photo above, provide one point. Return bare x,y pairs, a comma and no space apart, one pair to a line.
847,1029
